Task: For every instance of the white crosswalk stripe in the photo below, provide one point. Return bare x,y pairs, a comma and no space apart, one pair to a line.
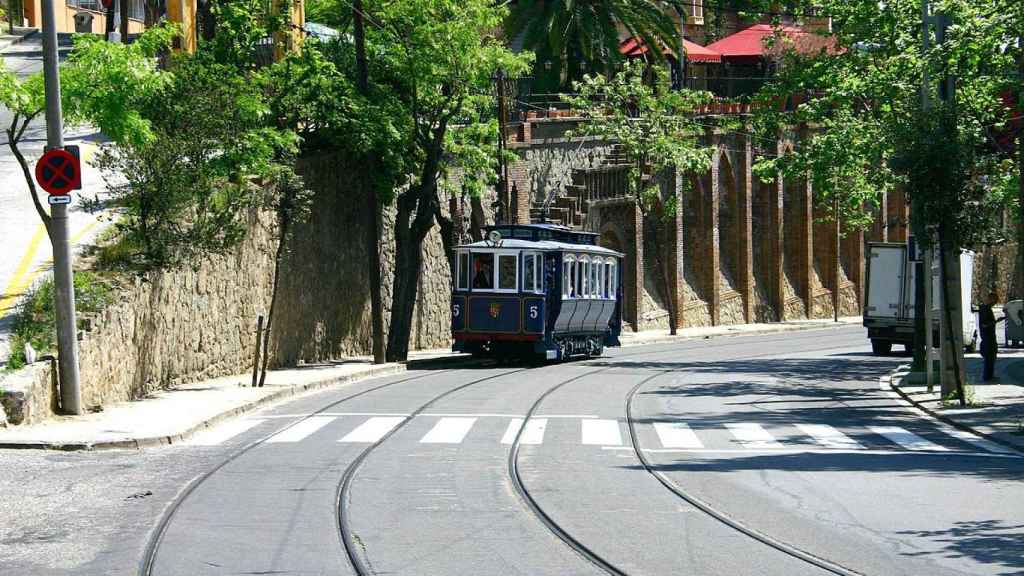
829,437
677,435
673,435
601,432
907,439
449,431
373,429
533,434
222,433
753,435
301,430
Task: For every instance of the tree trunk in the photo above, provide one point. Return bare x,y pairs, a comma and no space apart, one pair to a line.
952,358
372,239
408,266
1020,172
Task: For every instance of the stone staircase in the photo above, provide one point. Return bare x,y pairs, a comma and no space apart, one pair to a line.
569,206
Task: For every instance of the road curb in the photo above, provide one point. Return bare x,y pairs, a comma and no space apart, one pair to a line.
772,329
139,443
898,374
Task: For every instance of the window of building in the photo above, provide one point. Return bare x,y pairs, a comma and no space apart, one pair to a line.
698,10
463,271
483,271
508,278
86,5
136,9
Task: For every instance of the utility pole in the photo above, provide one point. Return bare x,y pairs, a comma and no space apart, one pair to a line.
63,279
1019,113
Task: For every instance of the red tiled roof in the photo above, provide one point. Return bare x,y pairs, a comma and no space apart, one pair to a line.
632,47
750,42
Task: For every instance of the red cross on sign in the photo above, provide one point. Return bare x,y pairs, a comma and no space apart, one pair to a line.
59,172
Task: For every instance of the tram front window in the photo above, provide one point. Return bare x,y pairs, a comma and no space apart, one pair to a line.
483,271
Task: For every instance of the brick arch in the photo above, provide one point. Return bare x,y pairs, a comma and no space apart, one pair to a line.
730,233
698,250
765,249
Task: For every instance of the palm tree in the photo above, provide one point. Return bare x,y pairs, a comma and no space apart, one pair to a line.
584,34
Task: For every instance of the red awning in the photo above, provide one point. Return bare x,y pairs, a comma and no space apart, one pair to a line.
632,47
749,44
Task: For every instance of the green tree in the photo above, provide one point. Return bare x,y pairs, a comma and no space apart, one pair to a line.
101,83
657,131
866,125
572,32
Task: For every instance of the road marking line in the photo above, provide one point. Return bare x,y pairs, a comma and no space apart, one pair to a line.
907,439
223,432
601,432
301,430
976,440
885,383
24,275
829,437
373,429
677,435
335,414
448,431
19,281
794,451
533,434
752,435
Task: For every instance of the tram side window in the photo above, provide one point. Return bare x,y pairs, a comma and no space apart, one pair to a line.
463,281
599,285
573,280
529,273
613,286
507,265
584,273
578,288
566,274
594,286
607,279
483,271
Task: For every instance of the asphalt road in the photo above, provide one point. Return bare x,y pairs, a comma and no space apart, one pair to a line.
760,455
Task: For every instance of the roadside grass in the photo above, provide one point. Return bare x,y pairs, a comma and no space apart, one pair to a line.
35,322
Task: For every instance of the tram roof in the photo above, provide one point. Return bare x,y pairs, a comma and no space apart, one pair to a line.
515,244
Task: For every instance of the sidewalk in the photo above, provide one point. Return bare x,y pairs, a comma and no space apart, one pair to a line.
172,416
997,408
662,336
7,39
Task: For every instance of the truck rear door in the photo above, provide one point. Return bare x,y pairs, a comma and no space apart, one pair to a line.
886,281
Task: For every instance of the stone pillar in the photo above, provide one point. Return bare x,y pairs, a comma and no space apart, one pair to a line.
807,246
746,255
636,281
716,247
777,236
675,238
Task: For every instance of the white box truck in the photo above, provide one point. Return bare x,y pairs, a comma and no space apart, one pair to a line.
889,297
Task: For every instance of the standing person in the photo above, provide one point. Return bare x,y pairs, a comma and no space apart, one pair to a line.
987,322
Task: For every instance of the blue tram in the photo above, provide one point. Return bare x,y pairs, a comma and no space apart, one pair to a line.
536,290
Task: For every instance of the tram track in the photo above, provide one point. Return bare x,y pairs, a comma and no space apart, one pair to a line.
343,495
148,562
595,557
713,511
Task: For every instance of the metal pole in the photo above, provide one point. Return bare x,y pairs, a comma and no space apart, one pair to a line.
256,351
839,264
63,278
115,34
928,343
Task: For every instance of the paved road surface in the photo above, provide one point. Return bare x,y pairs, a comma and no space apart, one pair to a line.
761,455
26,253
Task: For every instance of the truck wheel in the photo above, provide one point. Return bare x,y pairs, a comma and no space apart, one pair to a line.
881,347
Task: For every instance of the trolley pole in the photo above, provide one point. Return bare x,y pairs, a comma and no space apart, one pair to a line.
63,279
